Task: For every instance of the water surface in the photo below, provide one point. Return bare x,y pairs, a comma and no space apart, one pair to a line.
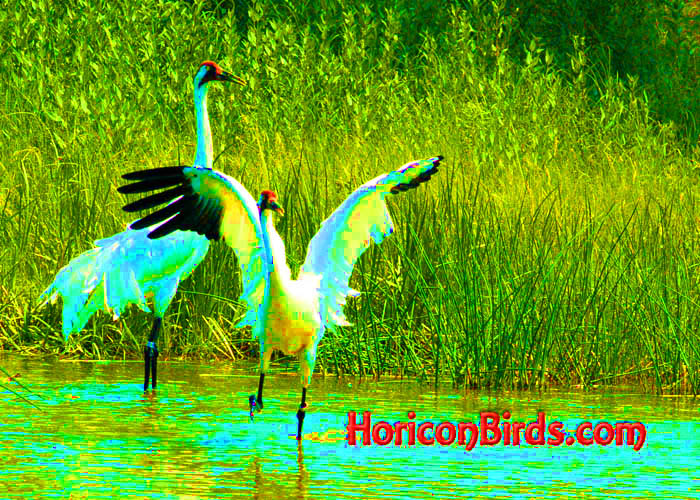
100,436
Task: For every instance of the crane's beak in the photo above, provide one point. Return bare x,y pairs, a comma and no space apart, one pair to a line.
225,76
274,206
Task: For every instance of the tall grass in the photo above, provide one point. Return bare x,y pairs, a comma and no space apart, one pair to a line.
558,245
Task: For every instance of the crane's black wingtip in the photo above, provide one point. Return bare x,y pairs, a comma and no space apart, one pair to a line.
421,178
154,173
436,163
162,230
138,225
133,176
130,208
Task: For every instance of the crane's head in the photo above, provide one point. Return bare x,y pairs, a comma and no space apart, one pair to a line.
268,201
209,71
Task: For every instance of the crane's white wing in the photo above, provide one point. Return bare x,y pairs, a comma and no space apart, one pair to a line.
121,270
213,204
333,251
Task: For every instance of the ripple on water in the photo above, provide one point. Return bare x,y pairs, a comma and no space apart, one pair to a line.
99,436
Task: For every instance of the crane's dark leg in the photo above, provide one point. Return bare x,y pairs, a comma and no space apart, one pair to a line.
257,403
151,354
301,413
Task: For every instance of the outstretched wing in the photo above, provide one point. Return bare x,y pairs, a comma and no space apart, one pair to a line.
121,270
335,248
212,204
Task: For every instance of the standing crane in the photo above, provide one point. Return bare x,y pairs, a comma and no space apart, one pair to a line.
285,314
128,267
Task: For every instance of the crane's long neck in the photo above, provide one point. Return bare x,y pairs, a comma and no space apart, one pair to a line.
280,274
204,154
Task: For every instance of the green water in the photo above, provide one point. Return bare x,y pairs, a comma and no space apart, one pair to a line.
98,436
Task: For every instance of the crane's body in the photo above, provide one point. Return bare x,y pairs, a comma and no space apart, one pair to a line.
129,267
285,314
126,268
292,321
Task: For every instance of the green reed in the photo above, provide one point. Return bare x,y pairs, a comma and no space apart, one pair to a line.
556,246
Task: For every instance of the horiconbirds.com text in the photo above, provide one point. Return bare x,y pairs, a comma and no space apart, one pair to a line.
493,429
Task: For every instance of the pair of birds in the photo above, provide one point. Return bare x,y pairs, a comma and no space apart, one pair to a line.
156,252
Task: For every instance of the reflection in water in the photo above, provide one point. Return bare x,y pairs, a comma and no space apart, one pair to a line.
100,436
303,477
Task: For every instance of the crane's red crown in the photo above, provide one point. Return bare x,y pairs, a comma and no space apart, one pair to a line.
212,64
268,195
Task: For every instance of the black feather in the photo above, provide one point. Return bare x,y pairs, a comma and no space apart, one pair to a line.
213,233
181,205
213,223
150,184
208,217
152,173
156,199
423,177
188,220
172,225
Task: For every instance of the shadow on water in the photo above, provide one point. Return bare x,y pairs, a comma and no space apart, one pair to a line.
100,436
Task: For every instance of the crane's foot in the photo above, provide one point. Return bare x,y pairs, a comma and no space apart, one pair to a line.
255,406
300,417
151,357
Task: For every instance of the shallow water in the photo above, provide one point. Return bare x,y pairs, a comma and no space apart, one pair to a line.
99,436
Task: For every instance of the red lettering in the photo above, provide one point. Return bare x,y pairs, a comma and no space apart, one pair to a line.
506,433
555,430
352,428
620,427
537,425
492,426
473,434
421,433
609,436
451,433
388,433
579,434
506,428
517,427
399,426
411,429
